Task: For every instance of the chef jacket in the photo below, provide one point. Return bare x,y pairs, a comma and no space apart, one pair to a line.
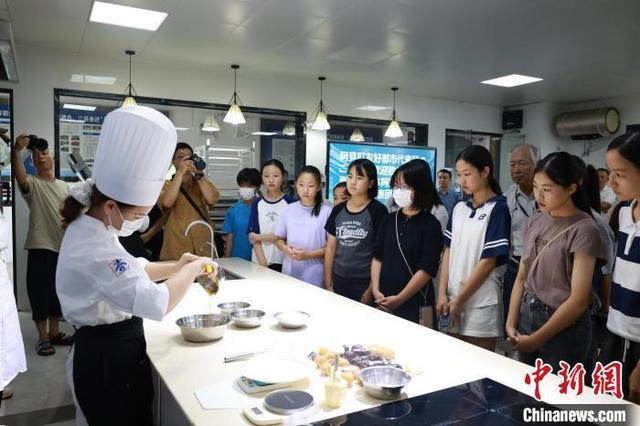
98,282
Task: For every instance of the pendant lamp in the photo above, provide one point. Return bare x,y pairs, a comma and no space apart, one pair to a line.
211,124
356,135
234,115
129,91
319,117
394,130
289,128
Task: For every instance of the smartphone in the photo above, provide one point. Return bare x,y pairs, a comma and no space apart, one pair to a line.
444,321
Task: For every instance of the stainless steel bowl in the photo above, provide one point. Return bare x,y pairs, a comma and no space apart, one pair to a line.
228,307
247,317
384,382
203,327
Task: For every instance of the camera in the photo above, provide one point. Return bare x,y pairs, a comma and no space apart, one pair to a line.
198,162
37,143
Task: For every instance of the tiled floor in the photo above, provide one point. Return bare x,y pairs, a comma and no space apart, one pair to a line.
41,394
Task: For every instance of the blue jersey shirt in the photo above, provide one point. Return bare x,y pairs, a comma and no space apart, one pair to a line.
236,222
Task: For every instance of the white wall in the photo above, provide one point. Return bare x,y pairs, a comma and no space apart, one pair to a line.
42,70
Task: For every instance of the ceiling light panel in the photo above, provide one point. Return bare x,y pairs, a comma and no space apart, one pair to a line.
126,16
79,107
512,80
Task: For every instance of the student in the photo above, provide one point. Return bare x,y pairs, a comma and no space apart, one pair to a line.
476,253
439,210
265,211
236,221
408,247
623,161
549,314
340,193
300,230
352,228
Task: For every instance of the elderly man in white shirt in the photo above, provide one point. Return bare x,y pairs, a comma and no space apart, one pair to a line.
522,205
607,196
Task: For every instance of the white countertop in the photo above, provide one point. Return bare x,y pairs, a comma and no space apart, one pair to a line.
441,360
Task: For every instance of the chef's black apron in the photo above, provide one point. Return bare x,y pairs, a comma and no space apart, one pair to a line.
112,375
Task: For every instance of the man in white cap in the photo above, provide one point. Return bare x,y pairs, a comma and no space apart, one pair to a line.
104,291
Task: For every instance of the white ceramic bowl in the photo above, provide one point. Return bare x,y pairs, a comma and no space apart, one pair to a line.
292,319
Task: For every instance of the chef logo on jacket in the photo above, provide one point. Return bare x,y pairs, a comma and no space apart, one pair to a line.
118,267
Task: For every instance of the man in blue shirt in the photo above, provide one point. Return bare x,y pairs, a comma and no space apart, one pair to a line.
448,196
236,221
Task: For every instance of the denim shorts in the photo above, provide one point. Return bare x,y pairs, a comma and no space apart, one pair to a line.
572,345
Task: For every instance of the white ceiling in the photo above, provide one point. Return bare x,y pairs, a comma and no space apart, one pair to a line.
584,49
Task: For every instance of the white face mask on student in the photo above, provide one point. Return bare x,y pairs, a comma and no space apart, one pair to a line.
128,226
246,193
402,197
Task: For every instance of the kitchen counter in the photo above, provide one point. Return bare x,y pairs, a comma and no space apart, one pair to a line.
439,361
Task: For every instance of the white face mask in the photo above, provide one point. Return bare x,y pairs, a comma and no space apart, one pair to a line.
128,226
402,197
145,225
246,193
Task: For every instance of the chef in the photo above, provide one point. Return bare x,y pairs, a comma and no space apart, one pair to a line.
12,358
105,292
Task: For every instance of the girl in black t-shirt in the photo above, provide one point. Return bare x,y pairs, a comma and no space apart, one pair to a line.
352,228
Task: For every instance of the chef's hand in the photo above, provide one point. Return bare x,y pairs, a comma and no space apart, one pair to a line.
254,238
390,303
21,142
199,265
634,385
186,258
442,307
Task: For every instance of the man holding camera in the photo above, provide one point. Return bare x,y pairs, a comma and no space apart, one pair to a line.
185,198
44,195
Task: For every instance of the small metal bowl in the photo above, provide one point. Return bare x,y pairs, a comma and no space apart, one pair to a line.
247,317
228,307
292,319
203,327
384,382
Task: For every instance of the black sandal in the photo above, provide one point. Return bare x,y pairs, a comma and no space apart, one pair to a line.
44,348
61,339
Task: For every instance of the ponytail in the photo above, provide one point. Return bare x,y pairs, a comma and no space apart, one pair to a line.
493,183
70,211
318,205
312,170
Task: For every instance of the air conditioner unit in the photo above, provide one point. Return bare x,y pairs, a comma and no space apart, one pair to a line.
588,124
8,67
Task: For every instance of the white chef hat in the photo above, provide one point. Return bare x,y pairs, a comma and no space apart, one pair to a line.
134,153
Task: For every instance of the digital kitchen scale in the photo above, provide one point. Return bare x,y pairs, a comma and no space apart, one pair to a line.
278,405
